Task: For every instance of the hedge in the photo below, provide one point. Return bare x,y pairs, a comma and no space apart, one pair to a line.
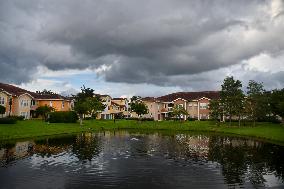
63,117
19,118
140,119
8,120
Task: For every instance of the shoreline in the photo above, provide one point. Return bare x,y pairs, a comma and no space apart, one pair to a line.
273,133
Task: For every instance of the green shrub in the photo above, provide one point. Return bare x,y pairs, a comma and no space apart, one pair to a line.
63,117
19,118
88,118
8,120
141,119
191,119
272,119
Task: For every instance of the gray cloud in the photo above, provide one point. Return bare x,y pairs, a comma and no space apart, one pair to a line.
166,43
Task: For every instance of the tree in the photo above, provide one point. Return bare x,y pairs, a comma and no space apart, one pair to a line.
43,111
95,105
256,102
86,102
277,102
138,106
179,111
81,108
2,110
216,110
45,91
231,97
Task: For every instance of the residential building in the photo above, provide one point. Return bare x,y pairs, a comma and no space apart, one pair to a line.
21,102
195,103
113,106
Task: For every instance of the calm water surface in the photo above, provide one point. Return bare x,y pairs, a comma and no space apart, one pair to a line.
136,160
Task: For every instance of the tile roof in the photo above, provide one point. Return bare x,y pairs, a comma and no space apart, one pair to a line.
13,90
48,96
149,99
16,91
189,96
116,104
118,98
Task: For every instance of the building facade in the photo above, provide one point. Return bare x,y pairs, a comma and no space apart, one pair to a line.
20,102
195,103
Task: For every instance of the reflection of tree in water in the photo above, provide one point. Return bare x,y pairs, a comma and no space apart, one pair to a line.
240,159
53,146
87,146
245,159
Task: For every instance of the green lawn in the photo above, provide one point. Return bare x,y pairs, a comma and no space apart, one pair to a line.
37,128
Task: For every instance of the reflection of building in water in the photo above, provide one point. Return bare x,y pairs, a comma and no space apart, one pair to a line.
20,150
194,145
45,149
236,142
2,153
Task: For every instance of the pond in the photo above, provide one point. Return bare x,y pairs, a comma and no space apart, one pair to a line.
124,159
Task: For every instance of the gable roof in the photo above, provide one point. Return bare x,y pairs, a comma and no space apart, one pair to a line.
119,99
48,96
149,99
189,96
13,90
116,104
17,91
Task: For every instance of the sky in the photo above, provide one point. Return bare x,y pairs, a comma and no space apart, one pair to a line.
133,47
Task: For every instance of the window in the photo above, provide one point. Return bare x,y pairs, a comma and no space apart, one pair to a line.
203,105
165,106
24,103
33,103
50,103
2,100
62,104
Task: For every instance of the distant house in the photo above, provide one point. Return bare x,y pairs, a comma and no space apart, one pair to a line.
123,106
106,113
21,102
113,106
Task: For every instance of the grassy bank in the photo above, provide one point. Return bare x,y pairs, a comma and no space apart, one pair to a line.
37,128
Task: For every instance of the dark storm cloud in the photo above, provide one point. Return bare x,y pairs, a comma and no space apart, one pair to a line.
154,42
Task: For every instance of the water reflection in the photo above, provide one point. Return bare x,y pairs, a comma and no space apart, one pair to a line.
177,160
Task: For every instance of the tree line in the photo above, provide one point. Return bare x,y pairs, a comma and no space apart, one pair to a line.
254,104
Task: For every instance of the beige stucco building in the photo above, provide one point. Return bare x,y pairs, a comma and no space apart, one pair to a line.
20,102
195,103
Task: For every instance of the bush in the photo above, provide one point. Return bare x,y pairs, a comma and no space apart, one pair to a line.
141,119
191,119
272,119
19,118
8,120
63,117
88,118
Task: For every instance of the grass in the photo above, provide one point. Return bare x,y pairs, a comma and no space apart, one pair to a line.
38,128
